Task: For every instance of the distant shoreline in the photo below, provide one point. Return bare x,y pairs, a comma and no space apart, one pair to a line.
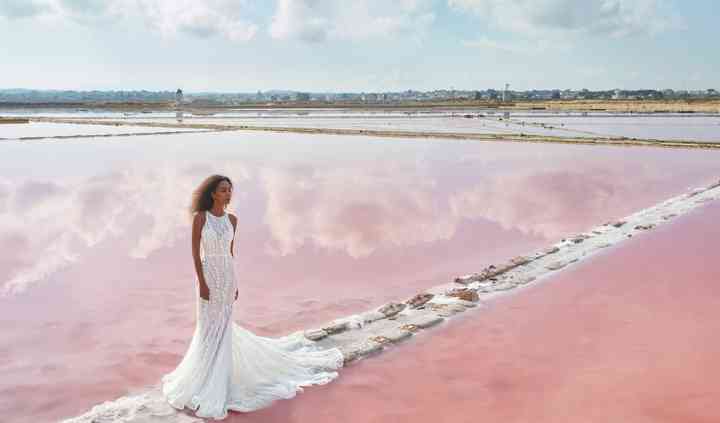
617,106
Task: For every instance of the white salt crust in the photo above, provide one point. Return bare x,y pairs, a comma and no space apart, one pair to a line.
371,332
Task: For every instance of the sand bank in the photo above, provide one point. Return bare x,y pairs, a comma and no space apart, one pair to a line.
13,120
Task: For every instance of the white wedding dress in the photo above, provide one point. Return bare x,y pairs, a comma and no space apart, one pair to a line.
227,367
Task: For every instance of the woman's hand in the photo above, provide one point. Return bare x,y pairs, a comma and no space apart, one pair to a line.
204,291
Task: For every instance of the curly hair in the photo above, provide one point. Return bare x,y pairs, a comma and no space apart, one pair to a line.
202,198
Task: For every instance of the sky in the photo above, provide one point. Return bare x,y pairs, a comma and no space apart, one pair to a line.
359,45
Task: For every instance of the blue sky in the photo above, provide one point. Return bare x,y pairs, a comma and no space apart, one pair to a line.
358,45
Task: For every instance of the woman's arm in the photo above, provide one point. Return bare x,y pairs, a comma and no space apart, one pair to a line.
198,222
233,220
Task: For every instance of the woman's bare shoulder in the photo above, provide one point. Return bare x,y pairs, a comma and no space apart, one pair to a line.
199,218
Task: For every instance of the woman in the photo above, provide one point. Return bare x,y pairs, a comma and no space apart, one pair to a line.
226,367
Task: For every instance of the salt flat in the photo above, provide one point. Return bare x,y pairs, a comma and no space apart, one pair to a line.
329,228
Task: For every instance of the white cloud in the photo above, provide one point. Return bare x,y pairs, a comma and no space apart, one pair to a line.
343,210
318,20
203,19
47,226
532,48
356,210
225,18
543,203
14,9
560,18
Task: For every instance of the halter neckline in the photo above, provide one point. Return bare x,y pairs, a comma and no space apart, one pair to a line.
217,217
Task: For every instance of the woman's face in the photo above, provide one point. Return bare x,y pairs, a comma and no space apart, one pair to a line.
223,193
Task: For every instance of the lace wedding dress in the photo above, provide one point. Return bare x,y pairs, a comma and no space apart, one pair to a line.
227,367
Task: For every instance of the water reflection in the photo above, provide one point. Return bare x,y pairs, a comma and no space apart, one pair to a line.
352,208
611,340
553,201
356,211
95,237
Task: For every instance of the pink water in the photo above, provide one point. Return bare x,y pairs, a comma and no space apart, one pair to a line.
629,336
95,240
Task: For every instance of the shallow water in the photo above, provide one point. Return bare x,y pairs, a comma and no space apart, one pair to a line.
701,127
627,336
42,129
673,127
414,123
696,127
96,238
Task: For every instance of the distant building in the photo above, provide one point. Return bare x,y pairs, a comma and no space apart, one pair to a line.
568,94
178,97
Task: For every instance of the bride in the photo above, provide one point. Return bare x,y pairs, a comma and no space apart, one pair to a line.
227,367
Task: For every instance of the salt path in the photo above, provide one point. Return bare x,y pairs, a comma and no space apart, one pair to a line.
45,130
628,336
483,129
564,395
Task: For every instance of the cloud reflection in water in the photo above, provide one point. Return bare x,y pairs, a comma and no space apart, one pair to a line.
352,208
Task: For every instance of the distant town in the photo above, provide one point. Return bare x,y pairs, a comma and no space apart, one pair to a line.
26,96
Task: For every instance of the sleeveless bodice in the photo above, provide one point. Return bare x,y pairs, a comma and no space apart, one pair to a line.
217,235
227,367
217,264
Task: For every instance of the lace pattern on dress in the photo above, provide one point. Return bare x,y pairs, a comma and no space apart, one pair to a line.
227,367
